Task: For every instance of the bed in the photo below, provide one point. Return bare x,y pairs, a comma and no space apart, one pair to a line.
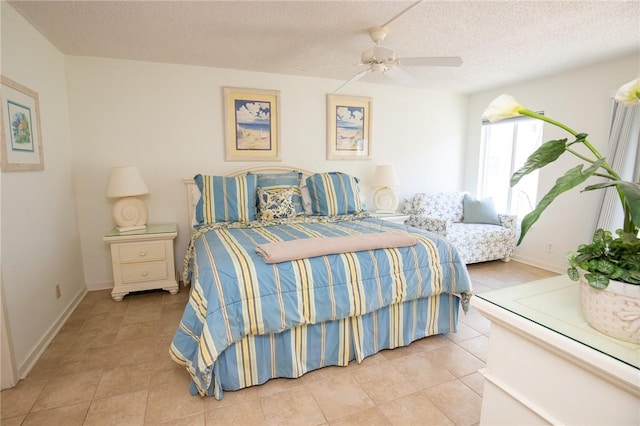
248,320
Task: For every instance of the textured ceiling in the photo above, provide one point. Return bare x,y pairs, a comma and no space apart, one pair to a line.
500,42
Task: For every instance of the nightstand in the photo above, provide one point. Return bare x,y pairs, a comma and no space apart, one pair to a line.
391,217
143,259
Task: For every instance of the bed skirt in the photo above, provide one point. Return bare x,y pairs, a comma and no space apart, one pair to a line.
292,353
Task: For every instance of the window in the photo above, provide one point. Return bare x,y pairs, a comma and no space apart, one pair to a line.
624,157
505,148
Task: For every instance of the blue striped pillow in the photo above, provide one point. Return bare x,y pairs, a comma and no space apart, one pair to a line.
334,193
284,181
226,199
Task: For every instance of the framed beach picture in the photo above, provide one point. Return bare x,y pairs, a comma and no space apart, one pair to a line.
252,131
21,139
348,127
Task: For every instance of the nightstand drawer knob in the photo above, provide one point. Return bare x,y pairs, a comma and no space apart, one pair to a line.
143,253
144,273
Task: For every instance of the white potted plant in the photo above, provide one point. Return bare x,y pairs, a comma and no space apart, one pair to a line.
608,267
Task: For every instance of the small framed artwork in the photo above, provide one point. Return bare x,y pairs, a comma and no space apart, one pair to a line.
252,130
21,139
348,127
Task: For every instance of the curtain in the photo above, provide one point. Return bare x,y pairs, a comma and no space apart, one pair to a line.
624,158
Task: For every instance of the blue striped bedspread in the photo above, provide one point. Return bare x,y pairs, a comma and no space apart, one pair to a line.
235,293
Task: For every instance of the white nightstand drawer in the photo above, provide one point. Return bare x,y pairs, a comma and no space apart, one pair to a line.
143,259
142,252
147,271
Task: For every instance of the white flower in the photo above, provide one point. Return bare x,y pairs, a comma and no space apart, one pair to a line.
629,94
504,106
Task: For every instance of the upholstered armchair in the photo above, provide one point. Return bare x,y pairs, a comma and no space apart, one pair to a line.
443,214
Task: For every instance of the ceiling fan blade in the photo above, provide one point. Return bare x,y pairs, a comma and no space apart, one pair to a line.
431,61
400,76
352,79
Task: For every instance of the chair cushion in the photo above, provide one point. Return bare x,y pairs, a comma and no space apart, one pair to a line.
481,242
479,211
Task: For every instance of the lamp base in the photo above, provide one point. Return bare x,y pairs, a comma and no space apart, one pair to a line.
385,200
130,213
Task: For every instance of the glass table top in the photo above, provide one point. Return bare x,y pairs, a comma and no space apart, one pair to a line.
150,229
554,303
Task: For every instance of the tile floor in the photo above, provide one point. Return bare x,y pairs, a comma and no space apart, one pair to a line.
109,365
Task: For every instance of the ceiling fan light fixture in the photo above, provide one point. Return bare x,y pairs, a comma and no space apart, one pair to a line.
366,56
378,54
379,67
378,34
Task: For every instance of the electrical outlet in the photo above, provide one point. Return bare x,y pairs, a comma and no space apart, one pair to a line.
549,247
58,293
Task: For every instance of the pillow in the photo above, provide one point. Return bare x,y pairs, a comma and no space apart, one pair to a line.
282,181
226,199
479,211
275,203
306,200
334,193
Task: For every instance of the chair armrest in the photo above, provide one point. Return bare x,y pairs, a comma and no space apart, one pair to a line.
414,205
432,224
509,221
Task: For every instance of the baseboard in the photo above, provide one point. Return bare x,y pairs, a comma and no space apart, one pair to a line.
42,344
104,285
538,264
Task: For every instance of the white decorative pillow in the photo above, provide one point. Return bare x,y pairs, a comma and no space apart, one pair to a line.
283,181
275,203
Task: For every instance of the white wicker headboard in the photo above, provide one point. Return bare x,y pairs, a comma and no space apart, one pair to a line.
193,193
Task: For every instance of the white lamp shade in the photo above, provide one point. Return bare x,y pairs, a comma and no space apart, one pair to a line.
385,177
126,181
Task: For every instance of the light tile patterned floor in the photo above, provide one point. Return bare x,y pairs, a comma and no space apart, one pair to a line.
109,365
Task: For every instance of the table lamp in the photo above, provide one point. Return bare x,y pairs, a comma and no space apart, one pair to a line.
385,199
129,211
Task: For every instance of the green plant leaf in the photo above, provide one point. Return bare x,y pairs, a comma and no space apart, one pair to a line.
598,281
605,266
573,273
569,180
608,257
547,153
631,191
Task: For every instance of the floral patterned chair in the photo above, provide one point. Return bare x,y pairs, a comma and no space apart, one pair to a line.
442,213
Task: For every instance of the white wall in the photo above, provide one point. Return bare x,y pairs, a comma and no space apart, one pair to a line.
581,99
40,237
168,120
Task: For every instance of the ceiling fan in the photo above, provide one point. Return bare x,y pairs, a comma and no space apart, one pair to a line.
379,59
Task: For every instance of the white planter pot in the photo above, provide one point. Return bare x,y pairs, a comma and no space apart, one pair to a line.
614,311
